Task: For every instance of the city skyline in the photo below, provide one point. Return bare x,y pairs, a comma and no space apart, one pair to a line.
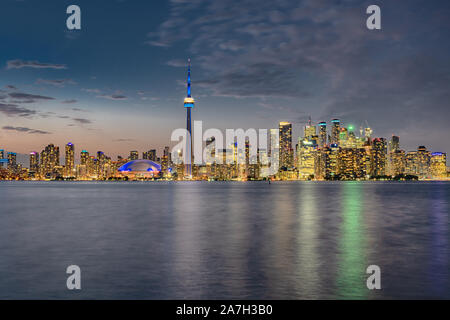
321,153
114,88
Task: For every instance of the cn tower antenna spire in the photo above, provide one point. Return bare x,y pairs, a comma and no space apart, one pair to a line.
189,79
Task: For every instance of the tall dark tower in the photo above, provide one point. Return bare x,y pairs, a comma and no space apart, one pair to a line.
188,104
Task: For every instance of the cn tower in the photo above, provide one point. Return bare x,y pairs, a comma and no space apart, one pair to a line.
188,104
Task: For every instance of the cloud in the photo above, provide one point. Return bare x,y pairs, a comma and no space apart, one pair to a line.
82,120
113,97
27,96
57,83
25,130
78,110
70,101
177,63
91,90
13,110
19,64
10,87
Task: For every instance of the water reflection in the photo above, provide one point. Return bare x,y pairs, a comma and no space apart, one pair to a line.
351,280
439,266
308,259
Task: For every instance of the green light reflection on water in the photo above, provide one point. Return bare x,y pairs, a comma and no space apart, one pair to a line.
352,264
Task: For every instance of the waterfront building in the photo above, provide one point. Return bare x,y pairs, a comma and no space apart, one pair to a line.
438,165
352,163
140,169
397,162
274,151
411,167
306,158
423,163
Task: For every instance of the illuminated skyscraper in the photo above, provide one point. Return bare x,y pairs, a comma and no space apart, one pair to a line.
309,130
188,104
351,163
423,162
34,162
397,162
70,160
343,137
351,138
335,130
165,162
12,161
412,167
49,160
438,165
134,155
394,144
150,155
274,151
322,135
84,158
378,157
306,157
285,144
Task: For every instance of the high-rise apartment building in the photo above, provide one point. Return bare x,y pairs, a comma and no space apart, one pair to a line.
306,158
378,157
134,155
335,130
322,135
49,161
12,161
149,155
423,162
411,167
70,160
397,162
285,143
34,162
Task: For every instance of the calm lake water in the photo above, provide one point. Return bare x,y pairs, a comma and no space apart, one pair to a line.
224,240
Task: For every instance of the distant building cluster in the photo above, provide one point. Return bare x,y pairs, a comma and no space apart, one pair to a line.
344,155
322,153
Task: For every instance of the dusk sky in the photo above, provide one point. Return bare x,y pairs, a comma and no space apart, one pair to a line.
118,84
